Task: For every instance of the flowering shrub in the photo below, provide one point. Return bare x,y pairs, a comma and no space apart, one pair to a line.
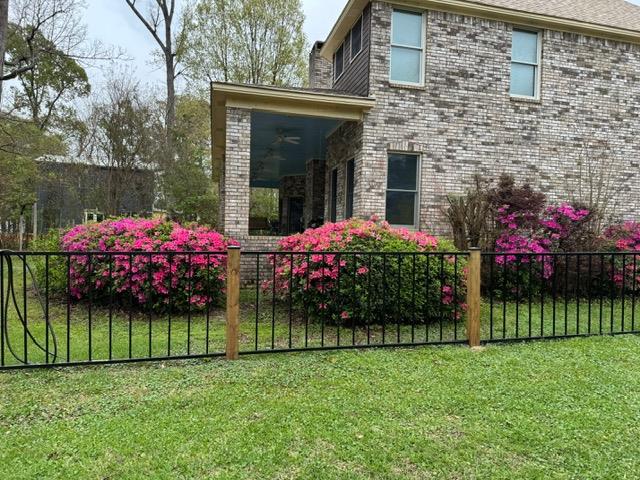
557,229
624,237
369,281
152,280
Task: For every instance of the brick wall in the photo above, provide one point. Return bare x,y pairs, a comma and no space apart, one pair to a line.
314,191
463,121
320,69
344,144
234,183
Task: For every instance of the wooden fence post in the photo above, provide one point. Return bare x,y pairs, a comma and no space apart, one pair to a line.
473,298
233,303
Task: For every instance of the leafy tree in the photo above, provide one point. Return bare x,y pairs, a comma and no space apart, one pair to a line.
4,22
188,185
54,80
120,134
21,143
159,22
247,41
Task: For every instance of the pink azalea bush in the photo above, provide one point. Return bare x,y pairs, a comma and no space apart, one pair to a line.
154,280
625,238
529,237
334,278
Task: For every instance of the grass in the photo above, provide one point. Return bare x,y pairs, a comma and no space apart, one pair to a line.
545,410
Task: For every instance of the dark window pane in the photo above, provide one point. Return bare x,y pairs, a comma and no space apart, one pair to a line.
334,195
402,171
356,38
401,208
339,61
348,211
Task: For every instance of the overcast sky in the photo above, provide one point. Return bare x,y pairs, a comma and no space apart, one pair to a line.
113,23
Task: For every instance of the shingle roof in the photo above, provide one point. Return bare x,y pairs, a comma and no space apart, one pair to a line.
611,13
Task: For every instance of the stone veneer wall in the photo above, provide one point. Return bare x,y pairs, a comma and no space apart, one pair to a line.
464,122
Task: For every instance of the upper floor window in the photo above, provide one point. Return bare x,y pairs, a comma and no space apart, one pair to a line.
338,62
525,64
402,189
356,38
407,47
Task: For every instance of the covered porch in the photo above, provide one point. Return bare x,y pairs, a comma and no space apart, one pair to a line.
270,156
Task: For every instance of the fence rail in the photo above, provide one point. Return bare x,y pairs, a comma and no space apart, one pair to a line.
76,308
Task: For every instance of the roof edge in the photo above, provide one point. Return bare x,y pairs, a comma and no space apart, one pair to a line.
286,94
470,8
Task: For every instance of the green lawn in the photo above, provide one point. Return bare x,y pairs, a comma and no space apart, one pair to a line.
565,409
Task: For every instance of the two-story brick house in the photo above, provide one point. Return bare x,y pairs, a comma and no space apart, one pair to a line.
409,99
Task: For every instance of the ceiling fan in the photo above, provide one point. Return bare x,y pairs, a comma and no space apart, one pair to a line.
282,137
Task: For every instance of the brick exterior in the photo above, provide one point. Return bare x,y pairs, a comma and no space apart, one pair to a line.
464,121
292,186
320,69
234,181
314,190
343,145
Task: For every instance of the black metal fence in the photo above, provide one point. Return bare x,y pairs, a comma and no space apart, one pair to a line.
99,307
556,295
316,300
107,307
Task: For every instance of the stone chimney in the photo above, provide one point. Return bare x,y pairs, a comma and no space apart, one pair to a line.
320,69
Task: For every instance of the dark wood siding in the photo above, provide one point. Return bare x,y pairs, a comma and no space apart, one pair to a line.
355,77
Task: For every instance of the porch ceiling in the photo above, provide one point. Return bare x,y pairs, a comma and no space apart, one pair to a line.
306,113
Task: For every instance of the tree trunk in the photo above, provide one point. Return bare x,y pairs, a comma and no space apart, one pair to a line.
4,21
171,103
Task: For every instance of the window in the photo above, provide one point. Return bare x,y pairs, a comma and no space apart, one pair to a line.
338,62
525,64
333,213
356,38
348,209
402,189
407,47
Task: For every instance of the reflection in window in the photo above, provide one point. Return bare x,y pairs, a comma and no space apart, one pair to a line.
525,64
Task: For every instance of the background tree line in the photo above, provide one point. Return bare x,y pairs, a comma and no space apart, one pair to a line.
49,109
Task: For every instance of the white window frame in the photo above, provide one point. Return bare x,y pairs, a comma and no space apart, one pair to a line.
422,50
335,62
353,55
416,209
538,66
